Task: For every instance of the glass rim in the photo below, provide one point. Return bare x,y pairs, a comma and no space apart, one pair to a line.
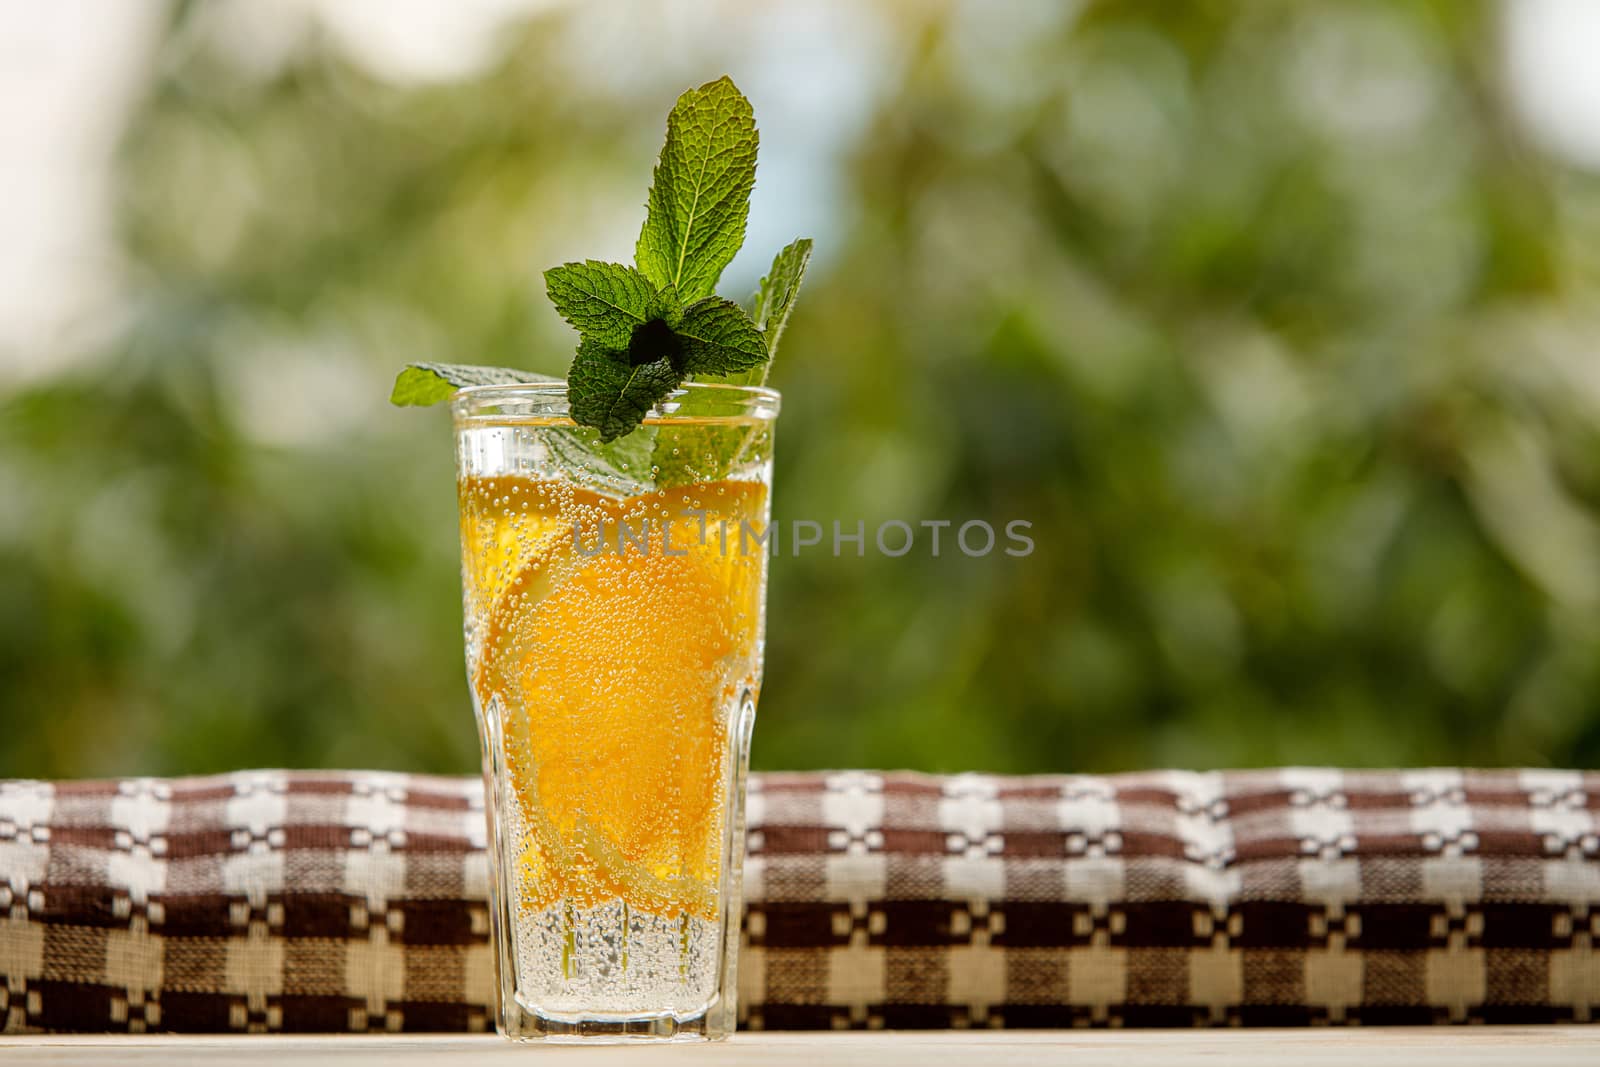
691,401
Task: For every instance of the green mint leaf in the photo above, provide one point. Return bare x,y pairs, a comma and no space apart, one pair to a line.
719,338
700,195
606,391
775,298
618,468
694,454
607,302
422,384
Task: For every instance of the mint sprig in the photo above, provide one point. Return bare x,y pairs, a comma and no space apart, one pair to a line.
700,196
425,384
645,330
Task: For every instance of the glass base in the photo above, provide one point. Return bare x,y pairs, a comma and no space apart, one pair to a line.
522,1024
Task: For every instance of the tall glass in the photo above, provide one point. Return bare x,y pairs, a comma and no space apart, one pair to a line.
614,599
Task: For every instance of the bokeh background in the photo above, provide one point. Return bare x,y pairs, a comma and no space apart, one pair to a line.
1278,320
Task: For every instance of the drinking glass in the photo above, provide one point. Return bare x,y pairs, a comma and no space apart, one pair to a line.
614,596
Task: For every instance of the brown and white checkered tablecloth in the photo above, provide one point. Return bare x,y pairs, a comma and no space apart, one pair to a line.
266,900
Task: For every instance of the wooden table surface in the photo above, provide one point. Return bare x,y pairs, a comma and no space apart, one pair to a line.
1377,1047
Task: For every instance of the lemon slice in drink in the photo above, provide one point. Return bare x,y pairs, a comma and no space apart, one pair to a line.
612,674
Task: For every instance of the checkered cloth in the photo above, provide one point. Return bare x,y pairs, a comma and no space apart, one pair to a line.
265,901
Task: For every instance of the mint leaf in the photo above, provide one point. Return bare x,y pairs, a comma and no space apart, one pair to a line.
700,196
719,338
618,468
422,384
690,454
606,302
775,298
606,391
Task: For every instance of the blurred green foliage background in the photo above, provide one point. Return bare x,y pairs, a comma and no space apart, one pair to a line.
1266,315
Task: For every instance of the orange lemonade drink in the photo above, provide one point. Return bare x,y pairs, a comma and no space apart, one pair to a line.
614,640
